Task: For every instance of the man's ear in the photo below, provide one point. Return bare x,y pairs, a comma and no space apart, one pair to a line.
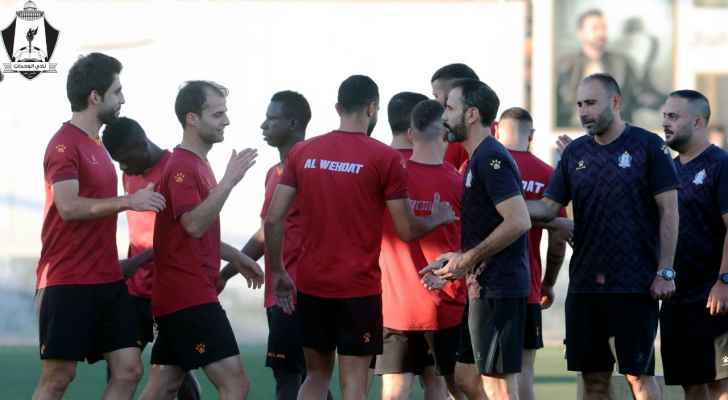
371,109
339,109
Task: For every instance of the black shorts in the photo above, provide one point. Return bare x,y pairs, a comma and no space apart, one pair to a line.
78,322
413,351
352,327
496,330
592,319
143,308
694,344
285,350
465,349
533,335
194,337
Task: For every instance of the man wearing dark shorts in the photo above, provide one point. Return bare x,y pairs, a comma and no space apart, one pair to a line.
622,182
285,124
420,337
515,131
494,242
84,308
142,163
194,330
342,182
693,322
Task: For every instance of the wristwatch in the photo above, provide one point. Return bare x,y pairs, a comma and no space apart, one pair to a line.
723,277
667,273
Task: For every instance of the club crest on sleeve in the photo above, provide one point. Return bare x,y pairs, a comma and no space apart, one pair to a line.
61,148
179,177
666,150
495,163
580,165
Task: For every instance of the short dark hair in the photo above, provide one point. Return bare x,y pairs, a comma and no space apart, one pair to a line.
94,71
192,98
295,106
454,71
697,101
607,81
517,114
122,132
399,110
479,95
356,93
594,12
425,113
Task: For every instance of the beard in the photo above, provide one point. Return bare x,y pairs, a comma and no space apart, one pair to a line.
600,125
456,133
372,124
107,116
679,139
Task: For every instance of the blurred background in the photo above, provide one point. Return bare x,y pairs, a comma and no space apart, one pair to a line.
530,52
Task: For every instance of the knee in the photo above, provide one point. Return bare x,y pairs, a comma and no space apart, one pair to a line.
58,380
466,383
596,382
130,373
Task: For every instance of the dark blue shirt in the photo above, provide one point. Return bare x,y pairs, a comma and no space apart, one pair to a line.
492,177
703,199
616,221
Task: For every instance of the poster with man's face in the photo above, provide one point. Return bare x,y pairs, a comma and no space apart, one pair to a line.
633,44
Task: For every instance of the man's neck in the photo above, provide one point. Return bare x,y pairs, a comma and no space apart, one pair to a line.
477,134
614,131
191,142
694,149
88,122
399,141
517,146
593,53
285,148
353,123
427,153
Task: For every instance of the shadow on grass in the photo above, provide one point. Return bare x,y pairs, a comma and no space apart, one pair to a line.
554,379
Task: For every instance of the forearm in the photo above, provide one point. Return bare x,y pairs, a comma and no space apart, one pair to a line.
84,208
418,227
253,249
541,213
668,237
554,260
130,266
724,260
198,220
273,231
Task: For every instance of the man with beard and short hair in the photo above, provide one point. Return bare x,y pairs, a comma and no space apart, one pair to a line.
515,131
342,182
421,337
142,162
441,82
623,185
693,324
84,308
494,242
285,123
193,329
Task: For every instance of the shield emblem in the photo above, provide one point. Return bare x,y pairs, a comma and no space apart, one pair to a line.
24,43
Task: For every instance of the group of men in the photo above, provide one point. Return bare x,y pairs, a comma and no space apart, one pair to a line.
415,259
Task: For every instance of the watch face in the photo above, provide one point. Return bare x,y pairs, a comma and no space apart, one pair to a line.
724,278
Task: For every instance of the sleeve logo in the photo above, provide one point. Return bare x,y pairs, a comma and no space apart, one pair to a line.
666,150
61,148
179,177
496,164
580,165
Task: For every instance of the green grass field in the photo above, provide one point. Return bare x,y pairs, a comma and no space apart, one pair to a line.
20,366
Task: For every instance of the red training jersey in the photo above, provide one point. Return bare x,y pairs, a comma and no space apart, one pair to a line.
457,156
406,304
77,252
291,236
141,227
343,180
536,176
186,269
